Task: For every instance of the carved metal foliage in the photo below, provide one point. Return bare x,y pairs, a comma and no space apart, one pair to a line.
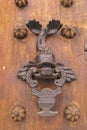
44,67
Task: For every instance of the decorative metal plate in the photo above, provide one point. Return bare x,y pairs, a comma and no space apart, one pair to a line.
44,67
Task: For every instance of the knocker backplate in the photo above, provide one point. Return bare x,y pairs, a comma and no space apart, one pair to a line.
44,67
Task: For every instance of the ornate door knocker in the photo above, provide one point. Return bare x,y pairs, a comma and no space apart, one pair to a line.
44,67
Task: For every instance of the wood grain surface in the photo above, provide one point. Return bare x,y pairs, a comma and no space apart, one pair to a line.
14,53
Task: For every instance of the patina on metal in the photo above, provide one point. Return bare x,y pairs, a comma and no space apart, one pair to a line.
44,67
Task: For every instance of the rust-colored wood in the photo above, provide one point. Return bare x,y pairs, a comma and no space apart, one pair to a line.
13,53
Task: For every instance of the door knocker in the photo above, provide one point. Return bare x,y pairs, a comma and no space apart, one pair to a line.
44,67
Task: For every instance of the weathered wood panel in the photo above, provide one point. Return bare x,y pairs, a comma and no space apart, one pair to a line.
14,53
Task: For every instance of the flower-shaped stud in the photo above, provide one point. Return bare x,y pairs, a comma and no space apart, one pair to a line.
21,3
20,32
68,32
66,3
72,113
18,113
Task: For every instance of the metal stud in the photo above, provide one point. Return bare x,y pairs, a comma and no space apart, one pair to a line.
21,3
67,3
18,113
20,32
72,113
68,32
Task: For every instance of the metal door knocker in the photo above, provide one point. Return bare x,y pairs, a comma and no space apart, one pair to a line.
44,67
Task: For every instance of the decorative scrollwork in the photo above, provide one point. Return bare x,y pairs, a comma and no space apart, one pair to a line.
65,75
29,78
44,67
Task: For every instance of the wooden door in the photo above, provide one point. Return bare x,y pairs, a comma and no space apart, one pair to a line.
14,53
